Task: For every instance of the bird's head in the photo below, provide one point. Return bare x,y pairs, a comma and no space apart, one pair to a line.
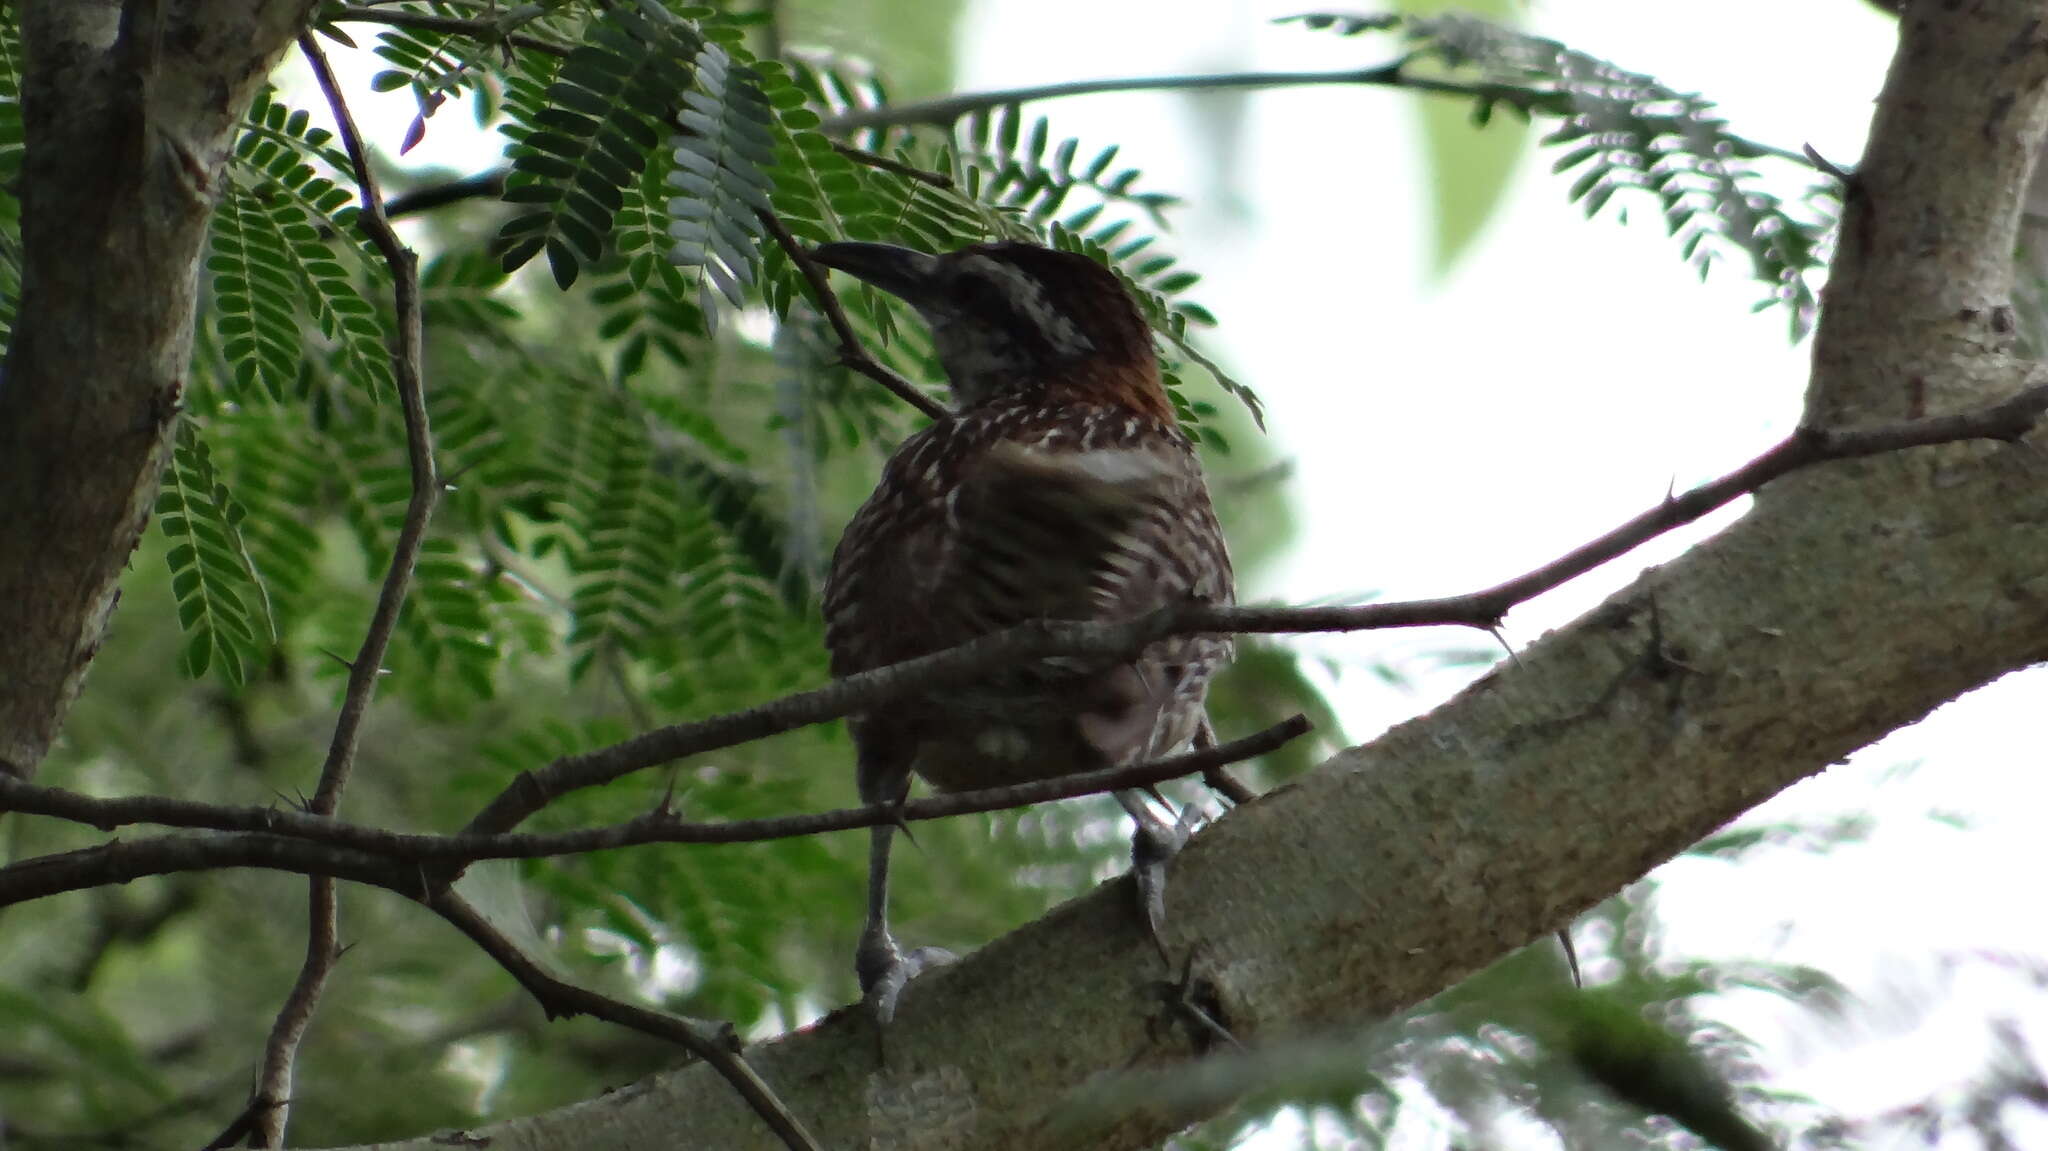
1013,318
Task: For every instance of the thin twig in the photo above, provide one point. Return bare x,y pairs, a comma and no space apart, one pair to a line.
946,111
489,184
489,31
419,446
714,1043
850,349
908,171
659,826
270,1100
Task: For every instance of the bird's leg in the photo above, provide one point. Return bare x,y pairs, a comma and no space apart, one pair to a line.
1219,779
882,966
1156,841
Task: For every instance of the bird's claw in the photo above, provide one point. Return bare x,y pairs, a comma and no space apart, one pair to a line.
885,969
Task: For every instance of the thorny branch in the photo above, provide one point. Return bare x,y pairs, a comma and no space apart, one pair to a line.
279,838
270,1100
294,842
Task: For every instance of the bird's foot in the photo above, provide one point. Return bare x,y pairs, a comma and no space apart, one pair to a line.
1191,1002
885,969
1155,843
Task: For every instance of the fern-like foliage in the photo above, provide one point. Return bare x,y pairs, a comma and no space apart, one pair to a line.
278,239
988,177
726,143
588,139
1027,172
442,66
1625,131
627,522
221,600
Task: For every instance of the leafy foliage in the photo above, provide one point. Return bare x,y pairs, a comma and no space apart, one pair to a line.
719,160
582,147
1624,130
269,251
220,596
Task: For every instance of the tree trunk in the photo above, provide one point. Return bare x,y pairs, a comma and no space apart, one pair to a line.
129,112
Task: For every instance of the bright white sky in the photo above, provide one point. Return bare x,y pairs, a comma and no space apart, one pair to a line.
1448,434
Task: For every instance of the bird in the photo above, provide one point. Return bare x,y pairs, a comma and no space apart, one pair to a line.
1059,486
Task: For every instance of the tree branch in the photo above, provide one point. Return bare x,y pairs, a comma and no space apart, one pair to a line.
714,1043
850,350
289,841
530,791
946,111
659,826
270,1101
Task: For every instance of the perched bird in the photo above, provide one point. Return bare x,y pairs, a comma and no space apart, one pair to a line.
1060,487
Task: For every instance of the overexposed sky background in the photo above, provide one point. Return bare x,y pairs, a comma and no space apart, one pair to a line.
1450,432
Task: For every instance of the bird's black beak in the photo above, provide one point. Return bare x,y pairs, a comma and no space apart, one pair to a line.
902,272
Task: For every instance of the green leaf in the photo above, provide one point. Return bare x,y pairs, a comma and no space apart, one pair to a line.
213,574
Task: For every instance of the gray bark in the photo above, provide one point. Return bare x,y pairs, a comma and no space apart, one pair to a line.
1852,600
129,111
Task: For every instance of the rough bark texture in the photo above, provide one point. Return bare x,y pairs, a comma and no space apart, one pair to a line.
1851,601
129,112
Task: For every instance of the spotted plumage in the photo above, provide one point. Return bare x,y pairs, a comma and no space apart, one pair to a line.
994,518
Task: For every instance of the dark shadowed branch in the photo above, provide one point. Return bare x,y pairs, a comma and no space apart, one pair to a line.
714,1043
659,826
290,841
